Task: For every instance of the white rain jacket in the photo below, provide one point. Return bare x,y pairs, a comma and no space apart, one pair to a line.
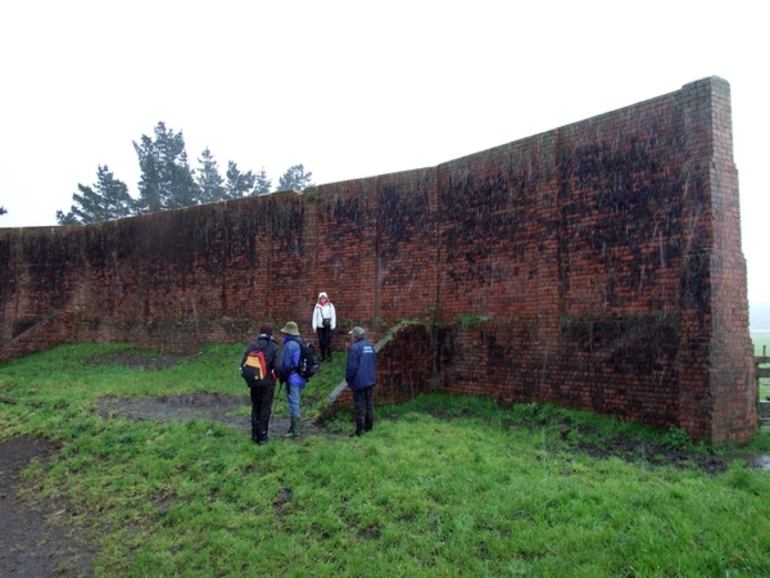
321,312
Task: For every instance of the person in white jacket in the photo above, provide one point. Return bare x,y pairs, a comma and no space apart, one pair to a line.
324,322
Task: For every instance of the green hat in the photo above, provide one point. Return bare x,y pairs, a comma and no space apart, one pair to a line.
357,331
290,328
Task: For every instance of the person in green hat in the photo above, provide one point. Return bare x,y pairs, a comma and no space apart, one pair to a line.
291,377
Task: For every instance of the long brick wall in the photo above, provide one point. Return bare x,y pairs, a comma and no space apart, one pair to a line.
597,266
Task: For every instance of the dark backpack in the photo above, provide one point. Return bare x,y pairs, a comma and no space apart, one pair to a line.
309,364
255,370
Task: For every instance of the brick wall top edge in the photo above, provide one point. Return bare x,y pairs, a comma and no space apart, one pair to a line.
706,84
405,174
711,83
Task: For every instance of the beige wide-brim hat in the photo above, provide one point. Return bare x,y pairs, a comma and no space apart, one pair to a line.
290,328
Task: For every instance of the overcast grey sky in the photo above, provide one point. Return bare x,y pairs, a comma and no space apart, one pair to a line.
353,89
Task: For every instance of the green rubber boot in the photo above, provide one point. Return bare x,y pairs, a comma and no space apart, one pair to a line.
295,430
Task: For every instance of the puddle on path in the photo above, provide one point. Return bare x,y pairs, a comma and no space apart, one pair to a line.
761,463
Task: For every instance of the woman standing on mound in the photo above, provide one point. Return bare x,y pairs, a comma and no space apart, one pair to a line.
324,322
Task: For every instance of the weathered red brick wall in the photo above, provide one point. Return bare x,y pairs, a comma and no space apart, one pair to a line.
607,257
597,266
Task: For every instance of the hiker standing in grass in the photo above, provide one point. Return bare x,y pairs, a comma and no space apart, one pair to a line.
291,377
324,322
361,376
261,387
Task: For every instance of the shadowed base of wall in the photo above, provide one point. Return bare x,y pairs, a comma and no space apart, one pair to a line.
629,367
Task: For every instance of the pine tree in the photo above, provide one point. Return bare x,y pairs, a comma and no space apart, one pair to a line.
68,219
108,199
208,179
167,181
262,184
238,184
295,178
183,188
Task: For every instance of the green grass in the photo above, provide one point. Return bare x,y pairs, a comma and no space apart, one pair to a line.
444,486
760,340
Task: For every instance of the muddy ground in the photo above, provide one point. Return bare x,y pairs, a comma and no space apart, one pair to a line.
43,538
37,538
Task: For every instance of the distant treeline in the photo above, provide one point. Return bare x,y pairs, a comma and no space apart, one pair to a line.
167,182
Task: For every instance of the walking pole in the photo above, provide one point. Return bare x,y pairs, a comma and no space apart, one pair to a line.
276,397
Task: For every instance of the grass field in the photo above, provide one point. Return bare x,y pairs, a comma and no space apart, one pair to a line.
761,340
443,486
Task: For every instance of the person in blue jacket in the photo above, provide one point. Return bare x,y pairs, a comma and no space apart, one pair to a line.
361,377
289,375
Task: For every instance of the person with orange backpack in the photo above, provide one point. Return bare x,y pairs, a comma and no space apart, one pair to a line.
259,366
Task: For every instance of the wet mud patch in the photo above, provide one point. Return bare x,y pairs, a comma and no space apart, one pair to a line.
219,407
636,451
38,538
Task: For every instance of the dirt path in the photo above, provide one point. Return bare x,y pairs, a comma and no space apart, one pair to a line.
39,540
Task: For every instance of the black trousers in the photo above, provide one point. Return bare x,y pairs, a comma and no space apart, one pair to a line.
324,340
362,402
261,407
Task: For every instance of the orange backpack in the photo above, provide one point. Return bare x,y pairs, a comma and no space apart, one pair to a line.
255,366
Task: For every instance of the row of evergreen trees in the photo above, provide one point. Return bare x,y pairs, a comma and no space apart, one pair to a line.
167,182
